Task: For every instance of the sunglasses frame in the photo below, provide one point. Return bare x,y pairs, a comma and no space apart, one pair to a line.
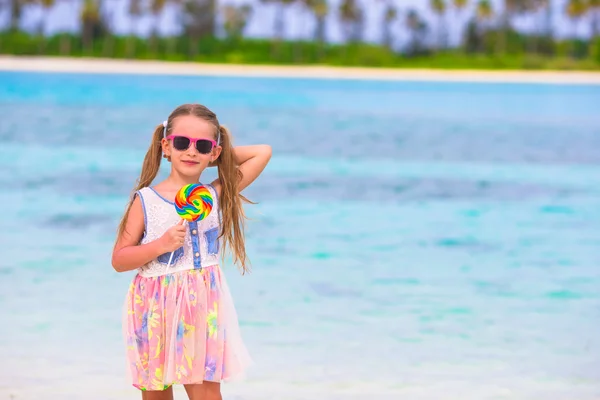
193,142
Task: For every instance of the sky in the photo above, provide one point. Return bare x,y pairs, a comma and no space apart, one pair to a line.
299,22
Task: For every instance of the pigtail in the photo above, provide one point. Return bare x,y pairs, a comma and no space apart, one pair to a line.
230,201
150,169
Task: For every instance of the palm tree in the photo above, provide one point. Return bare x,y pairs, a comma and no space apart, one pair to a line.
41,28
107,21
484,11
575,10
90,21
279,23
16,12
546,7
514,7
320,10
135,12
418,28
460,6
171,40
351,16
389,17
199,22
535,7
156,7
64,45
511,9
235,20
594,10
439,8
46,6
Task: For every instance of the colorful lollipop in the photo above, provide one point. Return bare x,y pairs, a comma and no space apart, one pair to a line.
193,202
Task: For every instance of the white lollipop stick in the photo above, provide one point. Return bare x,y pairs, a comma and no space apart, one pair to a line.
173,252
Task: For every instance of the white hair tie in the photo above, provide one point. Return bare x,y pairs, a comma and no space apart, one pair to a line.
165,123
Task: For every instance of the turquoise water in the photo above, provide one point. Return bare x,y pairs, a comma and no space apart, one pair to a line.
412,240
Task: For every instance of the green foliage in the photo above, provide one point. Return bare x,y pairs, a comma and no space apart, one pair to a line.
570,54
595,50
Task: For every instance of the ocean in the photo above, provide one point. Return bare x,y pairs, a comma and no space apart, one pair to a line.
411,240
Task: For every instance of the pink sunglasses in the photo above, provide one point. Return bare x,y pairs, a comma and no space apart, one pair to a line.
182,143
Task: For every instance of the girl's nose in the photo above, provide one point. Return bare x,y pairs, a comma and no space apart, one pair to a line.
192,151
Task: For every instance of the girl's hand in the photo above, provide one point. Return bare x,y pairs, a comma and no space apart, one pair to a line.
173,239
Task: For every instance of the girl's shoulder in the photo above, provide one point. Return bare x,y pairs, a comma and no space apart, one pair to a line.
152,193
216,186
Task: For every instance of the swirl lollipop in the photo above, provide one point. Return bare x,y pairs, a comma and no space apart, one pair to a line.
193,202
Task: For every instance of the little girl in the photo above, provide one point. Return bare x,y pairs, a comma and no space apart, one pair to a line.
179,320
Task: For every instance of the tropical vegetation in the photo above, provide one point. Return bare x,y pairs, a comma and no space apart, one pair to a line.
210,32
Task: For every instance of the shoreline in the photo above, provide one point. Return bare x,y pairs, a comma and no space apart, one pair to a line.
153,67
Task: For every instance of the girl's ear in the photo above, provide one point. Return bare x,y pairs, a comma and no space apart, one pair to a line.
166,148
216,153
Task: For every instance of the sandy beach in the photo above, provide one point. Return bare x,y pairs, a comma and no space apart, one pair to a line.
113,66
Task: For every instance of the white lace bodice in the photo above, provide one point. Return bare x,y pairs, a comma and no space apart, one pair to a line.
201,246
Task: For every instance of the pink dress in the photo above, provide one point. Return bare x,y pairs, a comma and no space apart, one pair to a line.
180,323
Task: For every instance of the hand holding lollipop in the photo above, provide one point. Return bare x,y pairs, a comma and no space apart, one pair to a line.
173,238
193,202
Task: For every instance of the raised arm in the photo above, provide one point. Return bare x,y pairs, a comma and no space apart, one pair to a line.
251,161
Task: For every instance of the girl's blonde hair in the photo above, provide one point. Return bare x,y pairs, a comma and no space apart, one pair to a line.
230,201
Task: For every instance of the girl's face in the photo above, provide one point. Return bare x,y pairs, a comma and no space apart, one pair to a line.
191,145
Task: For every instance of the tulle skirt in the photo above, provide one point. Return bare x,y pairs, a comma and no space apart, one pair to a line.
182,328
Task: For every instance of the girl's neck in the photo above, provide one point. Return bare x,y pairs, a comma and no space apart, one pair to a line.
178,180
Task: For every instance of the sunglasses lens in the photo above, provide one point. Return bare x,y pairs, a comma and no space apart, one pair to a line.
204,146
181,143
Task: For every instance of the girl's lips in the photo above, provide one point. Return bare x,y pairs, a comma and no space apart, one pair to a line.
190,162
